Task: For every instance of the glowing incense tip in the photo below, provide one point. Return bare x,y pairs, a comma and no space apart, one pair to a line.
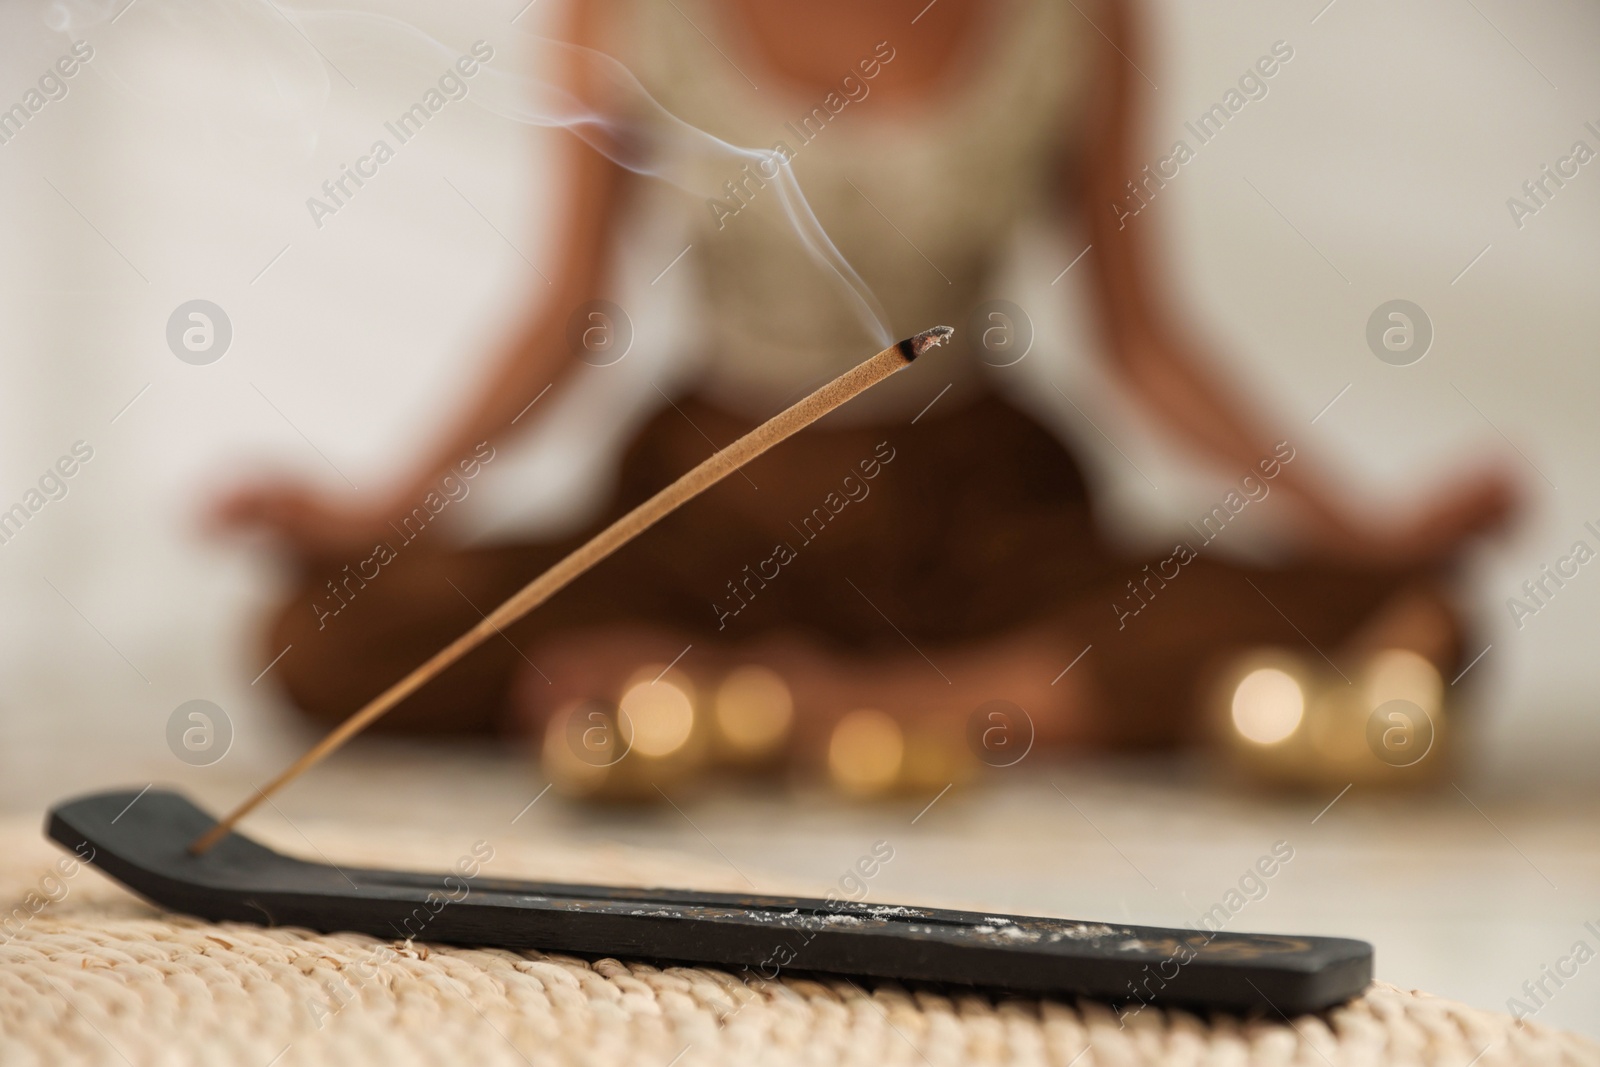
912,347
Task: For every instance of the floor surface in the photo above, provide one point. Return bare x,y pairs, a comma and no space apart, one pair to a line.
1467,891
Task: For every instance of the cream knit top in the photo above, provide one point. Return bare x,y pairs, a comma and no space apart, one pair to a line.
921,199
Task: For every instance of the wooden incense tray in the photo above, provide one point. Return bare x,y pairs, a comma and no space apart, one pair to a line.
142,841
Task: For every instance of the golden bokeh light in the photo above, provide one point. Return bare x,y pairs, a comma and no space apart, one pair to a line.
1268,706
662,716
865,752
1401,674
754,710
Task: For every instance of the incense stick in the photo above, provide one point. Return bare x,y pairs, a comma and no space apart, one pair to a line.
721,464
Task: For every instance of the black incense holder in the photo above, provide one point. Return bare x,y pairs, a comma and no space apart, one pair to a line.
142,841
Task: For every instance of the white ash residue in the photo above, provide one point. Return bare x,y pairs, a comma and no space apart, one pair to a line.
1084,932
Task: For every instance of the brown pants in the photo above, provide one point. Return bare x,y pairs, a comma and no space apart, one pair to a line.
963,526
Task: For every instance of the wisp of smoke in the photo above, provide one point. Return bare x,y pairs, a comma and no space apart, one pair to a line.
555,85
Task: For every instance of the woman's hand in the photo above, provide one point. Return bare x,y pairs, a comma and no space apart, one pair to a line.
1477,505
1174,379
309,521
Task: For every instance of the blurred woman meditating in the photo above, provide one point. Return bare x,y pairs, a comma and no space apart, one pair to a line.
929,547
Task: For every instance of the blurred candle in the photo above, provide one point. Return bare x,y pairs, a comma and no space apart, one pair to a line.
865,752
1401,674
754,710
661,712
1268,705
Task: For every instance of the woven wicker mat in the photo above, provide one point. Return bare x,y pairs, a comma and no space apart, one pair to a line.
97,976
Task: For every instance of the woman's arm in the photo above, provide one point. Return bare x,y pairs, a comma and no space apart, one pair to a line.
1171,374
535,356
537,353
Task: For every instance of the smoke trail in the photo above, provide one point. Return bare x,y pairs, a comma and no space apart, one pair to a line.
558,85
